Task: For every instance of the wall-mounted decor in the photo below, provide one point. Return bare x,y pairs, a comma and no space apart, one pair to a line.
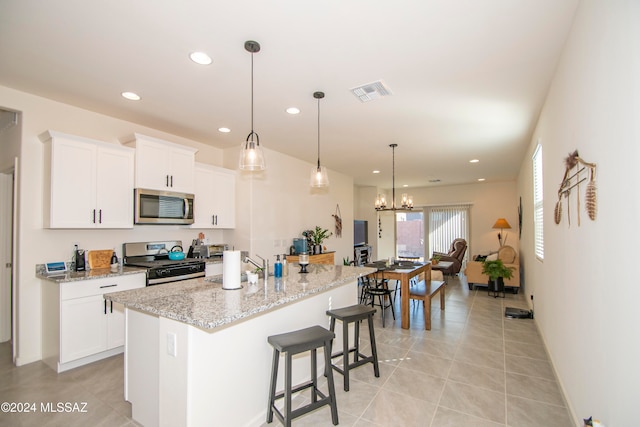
338,219
576,172
520,219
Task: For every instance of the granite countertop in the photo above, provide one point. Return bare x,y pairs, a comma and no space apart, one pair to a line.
203,303
96,273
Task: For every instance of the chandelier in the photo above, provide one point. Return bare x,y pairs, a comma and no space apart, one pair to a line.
406,203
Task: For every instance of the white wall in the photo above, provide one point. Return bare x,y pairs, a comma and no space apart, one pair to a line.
489,201
586,289
276,205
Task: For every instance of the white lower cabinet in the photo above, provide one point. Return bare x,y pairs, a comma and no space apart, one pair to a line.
79,325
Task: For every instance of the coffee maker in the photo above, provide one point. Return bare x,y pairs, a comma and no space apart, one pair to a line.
79,259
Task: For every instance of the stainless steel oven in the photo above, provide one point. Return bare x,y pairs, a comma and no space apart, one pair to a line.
154,256
162,207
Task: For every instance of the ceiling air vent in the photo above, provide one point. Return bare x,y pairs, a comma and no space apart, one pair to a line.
371,91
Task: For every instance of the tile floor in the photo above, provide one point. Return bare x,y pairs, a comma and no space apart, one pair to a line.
474,368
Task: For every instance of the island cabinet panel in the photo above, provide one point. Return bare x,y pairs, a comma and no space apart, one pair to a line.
215,202
88,183
325,258
80,325
180,374
162,165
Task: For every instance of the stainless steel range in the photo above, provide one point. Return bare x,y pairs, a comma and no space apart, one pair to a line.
154,256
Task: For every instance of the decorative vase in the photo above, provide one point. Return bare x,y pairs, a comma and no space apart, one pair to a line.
317,249
434,262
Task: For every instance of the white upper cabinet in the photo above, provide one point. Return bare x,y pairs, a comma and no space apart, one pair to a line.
90,183
162,165
215,197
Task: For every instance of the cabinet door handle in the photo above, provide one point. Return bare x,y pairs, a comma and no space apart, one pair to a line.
108,286
213,220
105,306
167,180
171,180
111,306
216,219
100,216
94,216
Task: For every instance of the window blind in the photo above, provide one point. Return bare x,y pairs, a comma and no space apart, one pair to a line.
447,223
538,218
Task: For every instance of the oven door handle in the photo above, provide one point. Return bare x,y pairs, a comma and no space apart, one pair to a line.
186,208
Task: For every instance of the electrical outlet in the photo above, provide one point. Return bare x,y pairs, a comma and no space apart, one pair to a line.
171,344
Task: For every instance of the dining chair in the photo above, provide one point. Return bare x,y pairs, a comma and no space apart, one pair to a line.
378,288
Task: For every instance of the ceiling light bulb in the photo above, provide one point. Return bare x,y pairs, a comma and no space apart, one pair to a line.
480,179
293,110
224,130
376,171
200,58
474,161
131,96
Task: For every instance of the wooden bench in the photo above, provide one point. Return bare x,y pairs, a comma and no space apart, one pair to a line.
423,292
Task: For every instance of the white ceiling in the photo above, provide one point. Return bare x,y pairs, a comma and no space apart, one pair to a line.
468,76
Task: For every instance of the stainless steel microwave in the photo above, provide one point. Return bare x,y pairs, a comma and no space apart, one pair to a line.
162,207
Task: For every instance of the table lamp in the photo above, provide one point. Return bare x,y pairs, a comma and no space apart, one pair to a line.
501,223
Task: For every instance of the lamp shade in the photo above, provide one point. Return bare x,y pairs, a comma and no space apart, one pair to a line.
501,223
319,177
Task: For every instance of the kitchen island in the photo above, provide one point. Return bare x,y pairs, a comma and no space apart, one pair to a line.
196,354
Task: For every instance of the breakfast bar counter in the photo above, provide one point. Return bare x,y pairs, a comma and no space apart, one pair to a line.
197,354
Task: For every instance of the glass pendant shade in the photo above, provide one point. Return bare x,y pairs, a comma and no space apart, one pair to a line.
319,176
251,156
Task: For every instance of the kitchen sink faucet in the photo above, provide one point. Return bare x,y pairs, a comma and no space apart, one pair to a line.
264,266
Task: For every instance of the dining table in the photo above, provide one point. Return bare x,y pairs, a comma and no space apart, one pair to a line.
402,271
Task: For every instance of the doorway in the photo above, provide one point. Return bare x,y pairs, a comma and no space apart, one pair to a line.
410,235
6,250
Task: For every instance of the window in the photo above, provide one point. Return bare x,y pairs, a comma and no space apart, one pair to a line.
538,224
410,235
447,223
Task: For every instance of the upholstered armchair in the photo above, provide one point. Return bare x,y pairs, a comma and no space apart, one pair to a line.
455,255
509,257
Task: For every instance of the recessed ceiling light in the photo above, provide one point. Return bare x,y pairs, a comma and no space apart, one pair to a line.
474,161
293,110
480,179
224,130
376,171
200,58
131,96
405,185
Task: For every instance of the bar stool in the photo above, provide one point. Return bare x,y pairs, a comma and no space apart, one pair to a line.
308,339
354,313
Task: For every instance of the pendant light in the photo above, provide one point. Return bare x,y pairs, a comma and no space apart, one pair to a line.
319,176
251,155
381,201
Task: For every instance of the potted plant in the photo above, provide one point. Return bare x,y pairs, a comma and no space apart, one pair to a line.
435,259
252,276
497,272
316,237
